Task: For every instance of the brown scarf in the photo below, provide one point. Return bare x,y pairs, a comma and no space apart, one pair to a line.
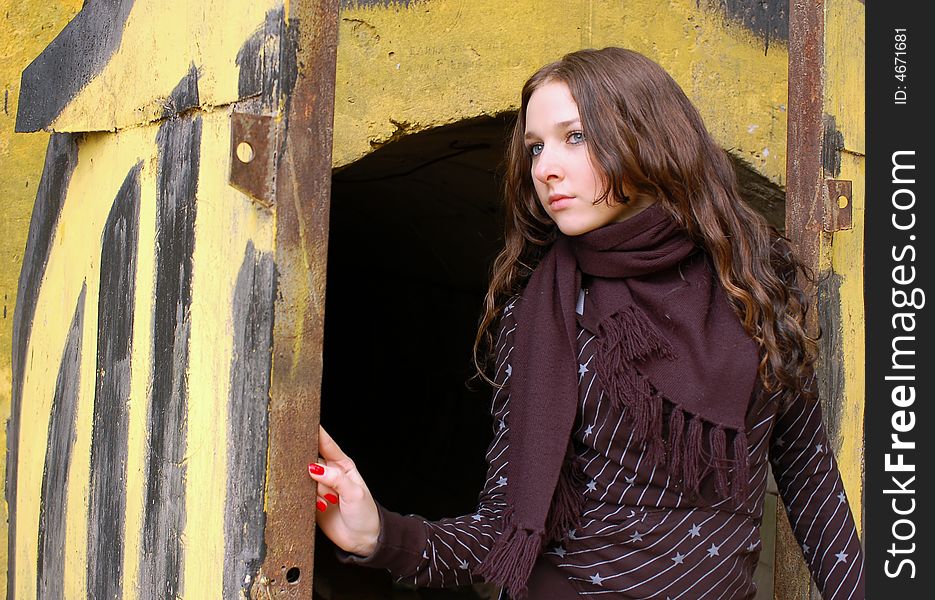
670,349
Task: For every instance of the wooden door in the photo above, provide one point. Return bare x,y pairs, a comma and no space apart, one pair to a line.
825,202
167,337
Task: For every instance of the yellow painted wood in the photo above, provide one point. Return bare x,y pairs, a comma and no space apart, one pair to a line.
27,28
160,42
226,221
103,162
141,374
843,251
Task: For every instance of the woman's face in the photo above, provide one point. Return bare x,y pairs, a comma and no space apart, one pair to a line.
565,179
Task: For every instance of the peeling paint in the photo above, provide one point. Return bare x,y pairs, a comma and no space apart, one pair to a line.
60,161
107,486
184,96
69,63
768,19
832,375
267,61
248,421
373,3
832,143
179,142
61,441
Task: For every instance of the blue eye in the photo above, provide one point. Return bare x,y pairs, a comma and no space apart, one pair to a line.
576,137
535,149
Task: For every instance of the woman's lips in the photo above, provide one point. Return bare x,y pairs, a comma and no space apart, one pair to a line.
558,202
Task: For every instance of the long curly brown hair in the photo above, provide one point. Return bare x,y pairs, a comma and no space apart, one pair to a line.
646,138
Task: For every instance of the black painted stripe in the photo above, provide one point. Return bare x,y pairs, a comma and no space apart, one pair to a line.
107,491
184,96
179,143
248,422
767,19
267,62
61,441
60,160
70,62
370,3
832,144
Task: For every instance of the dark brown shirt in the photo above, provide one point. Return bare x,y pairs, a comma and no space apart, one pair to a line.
639,536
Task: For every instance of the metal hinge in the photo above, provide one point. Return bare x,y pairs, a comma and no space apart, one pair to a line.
254,144
837,203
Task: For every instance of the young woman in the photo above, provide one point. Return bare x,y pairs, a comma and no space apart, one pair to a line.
650,362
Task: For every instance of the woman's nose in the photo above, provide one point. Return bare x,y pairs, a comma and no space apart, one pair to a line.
547,166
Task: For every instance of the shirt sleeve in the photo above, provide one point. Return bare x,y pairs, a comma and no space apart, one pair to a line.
811,489
446,552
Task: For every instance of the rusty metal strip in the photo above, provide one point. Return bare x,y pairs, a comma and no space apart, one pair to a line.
803,222
253,156
303,189
837,205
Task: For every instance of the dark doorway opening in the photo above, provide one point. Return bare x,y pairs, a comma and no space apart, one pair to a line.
414,228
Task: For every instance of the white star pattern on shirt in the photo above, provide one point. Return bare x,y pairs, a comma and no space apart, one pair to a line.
805,549
617,517
780,442
509,370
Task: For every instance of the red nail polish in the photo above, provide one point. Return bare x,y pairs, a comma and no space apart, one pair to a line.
316,469
321,505
331,498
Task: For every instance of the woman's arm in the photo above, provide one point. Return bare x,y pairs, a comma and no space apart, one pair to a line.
813,493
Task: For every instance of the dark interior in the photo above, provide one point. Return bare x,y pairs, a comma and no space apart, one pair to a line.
414,227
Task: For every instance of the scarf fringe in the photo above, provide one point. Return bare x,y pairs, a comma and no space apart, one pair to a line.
511,558
693,463
741,479
565,510
718,443
676,433
627,337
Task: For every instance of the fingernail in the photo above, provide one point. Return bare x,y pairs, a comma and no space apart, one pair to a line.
316,469
321,505
331,498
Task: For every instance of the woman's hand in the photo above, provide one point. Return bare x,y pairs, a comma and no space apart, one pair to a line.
352,522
